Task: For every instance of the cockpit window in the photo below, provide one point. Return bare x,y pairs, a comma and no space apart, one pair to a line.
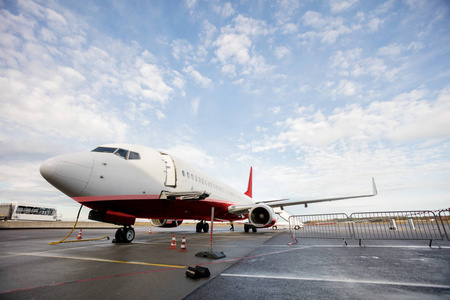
134,155
126,154
122,152
104,149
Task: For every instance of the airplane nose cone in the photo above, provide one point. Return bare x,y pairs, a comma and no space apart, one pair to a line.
47,168
69,173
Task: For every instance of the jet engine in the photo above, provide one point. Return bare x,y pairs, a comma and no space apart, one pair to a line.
165,223
261,216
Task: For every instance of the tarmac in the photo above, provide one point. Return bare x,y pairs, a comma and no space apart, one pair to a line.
257,265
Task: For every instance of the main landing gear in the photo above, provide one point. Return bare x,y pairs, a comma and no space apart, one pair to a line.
125,234
202,226
247,228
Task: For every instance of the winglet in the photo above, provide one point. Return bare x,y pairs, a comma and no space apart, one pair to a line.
374,187
249,189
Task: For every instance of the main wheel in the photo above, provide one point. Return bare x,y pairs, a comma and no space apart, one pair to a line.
128,235
246,228
198,227
119,235
205,227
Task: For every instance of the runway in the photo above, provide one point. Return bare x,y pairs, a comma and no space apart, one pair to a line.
258,265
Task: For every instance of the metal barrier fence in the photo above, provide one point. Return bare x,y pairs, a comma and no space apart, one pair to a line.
394,225
330,226
444,216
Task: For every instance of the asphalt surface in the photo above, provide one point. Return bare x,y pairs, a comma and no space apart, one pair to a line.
257,266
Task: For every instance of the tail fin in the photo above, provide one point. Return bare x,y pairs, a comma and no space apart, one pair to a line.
249,189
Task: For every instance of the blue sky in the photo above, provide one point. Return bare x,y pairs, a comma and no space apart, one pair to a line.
317,96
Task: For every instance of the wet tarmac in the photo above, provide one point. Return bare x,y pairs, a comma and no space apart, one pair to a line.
257,265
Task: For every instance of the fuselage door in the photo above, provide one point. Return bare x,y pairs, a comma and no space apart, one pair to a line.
171,174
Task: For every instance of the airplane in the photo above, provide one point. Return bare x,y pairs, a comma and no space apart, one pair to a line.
122,182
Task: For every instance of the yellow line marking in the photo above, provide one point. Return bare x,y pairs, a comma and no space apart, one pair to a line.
105,260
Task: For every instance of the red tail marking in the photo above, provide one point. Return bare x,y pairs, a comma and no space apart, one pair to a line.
249,190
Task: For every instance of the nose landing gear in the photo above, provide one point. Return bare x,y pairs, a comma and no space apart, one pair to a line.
125,234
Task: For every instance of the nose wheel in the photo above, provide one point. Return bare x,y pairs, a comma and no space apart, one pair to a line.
125,234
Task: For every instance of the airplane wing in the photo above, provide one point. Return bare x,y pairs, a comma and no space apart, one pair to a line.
242,209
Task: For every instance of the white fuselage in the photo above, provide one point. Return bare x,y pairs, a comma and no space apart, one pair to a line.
130,179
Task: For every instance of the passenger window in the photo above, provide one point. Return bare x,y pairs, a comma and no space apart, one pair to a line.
134,155
187,173
182,172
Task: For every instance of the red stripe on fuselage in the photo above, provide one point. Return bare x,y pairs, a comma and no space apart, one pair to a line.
151,207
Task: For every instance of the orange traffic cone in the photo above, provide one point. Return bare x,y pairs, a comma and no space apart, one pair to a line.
150,230
183,245
173,245
79,235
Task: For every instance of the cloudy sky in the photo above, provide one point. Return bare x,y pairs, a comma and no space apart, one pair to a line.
317,96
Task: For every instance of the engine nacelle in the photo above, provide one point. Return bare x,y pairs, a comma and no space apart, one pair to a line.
261,216
165,223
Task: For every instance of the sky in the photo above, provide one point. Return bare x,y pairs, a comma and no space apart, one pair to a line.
317,96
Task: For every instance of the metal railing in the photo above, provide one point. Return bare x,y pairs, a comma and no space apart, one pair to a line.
444,217
392,225
330,226
396,225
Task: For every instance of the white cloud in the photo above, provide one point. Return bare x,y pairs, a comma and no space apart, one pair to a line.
422,119
181,47
338,6
249,26
352,63
276,110
208,33
394,49
408,117
191,3
234,47
374,24
149,83
289,28
286,10
328,29
281,52
234,50
160,115
345,88
304,89
179,82
199,78
54,17
54,86
195,104
226,10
